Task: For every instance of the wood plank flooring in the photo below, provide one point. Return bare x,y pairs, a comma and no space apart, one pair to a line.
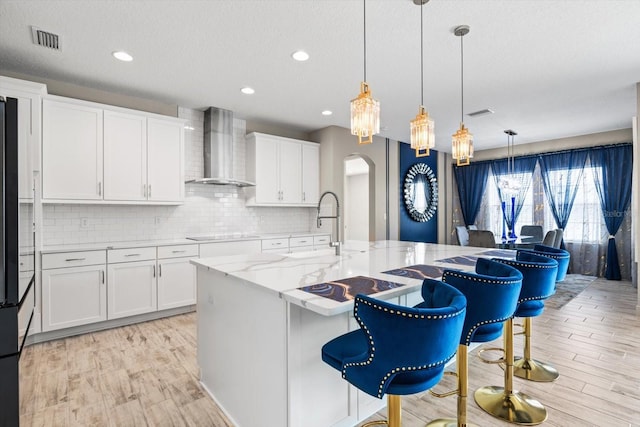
146,374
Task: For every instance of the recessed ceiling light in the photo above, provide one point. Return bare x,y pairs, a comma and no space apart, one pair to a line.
327,113
247,90
122,56
300,55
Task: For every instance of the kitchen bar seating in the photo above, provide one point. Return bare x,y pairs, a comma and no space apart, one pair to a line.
559,255
492,294
538,284
538,280
399,350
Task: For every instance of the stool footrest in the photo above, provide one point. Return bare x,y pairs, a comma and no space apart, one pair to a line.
446,393
491,361
447,422
534,370
515,407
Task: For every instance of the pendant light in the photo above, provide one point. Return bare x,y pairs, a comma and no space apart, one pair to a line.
462,142
422,127
365,111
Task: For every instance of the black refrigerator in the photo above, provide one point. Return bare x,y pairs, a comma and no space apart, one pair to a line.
17,293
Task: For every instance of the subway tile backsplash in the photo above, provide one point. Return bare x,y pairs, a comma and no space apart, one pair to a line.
208,209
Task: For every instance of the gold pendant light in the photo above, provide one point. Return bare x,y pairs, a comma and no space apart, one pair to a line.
462,141
365,111
422,127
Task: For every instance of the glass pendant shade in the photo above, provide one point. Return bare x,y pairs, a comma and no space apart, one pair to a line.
365,115
422,133
462,146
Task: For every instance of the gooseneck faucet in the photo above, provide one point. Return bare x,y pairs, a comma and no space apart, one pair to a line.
334,244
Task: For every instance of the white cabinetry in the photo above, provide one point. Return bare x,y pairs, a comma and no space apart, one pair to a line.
310,174
131,286
277,166
176,276
71,151
139,155
73,289
125,156
29,96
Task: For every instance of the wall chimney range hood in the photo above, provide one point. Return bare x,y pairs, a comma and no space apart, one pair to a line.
218,149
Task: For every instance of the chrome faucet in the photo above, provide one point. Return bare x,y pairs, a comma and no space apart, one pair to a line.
334,244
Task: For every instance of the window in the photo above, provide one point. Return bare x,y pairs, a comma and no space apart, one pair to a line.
585,221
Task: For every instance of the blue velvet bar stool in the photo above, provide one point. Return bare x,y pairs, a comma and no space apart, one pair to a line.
492,295
399,350
538,282
560,255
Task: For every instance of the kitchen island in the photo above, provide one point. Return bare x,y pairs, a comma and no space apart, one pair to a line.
263,318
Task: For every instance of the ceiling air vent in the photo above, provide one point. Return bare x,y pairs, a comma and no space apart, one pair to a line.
480,112
45,38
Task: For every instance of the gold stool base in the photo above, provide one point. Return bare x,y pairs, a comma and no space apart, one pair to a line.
516,407
447,422
534,370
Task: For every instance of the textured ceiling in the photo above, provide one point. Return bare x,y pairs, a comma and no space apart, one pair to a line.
548,69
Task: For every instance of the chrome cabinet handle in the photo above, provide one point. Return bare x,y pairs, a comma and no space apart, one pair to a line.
159,270
154,271
144,190
177,252
304,196
128,255
99,188
74,259
149,190
102,276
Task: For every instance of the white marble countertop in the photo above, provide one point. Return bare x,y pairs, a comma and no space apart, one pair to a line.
218,238
284,274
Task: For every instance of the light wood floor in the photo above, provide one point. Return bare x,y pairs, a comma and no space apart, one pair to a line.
146,374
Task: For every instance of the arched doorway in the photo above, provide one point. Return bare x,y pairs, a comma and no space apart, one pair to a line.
359,198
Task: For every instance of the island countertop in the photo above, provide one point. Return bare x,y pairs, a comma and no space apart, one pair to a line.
285,274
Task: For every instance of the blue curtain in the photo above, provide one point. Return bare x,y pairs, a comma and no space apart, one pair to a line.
612,169
471,181
561,190
523,168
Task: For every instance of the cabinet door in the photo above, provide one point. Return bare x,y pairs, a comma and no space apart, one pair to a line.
24,315
125,156
131,288
165,177
267,182
71,151
289,162
73,296
176,283
310,174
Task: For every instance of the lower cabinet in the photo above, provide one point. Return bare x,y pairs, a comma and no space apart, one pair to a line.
73,296
131,288
176,283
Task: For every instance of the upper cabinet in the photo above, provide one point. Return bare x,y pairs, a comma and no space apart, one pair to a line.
29,96
286,171
94,153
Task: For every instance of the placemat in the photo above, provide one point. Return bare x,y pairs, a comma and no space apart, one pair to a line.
462,260
346,289
418,271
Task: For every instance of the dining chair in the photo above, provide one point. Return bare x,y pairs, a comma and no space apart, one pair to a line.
531,233
482,238
549,238
558,240
399,350
463,235
472,227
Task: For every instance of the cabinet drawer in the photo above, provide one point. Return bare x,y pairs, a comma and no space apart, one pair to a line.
26,263
321,240
275,244
131,254
295,242
229,248
177,251
73,259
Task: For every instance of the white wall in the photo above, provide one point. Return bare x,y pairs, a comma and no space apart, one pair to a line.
356,200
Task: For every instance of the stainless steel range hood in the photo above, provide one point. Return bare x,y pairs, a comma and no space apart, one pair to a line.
218,149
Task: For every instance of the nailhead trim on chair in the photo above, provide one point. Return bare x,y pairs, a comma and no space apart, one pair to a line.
482,280
526,264
373,349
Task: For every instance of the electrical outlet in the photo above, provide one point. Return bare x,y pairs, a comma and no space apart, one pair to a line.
84,222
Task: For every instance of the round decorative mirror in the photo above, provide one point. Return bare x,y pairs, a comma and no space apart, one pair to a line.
420,192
